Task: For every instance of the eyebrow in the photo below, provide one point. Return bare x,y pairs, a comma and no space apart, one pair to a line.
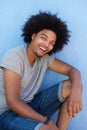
44,35
47,36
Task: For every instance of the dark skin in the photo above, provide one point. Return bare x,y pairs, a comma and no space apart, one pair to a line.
42,43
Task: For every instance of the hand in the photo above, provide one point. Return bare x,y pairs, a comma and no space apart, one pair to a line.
52,125
74,102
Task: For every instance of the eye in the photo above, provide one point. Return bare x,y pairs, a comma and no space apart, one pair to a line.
43,38
52,43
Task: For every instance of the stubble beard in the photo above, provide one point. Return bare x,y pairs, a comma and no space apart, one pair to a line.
39,56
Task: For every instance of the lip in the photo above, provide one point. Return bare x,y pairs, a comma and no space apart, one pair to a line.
42,49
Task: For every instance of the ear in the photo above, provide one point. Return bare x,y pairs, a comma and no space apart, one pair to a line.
33,36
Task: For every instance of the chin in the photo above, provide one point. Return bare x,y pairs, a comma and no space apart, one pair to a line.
39,55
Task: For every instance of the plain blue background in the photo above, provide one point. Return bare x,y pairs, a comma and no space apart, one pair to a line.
13,14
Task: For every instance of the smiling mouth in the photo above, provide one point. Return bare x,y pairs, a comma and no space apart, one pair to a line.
43,49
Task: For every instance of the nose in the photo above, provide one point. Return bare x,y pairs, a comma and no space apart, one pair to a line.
46,44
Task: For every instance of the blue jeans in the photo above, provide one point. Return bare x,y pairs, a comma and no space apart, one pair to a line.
46,102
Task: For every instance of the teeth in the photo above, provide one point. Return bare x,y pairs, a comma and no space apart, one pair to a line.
42,48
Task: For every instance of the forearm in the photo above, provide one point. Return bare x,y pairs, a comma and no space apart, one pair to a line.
75,78
75,97
25,110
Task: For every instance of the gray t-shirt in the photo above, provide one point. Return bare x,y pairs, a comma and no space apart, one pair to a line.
30,77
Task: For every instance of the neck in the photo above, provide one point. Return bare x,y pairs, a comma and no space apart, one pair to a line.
30,55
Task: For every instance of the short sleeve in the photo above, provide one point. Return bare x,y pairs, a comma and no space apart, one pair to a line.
12,61
49,59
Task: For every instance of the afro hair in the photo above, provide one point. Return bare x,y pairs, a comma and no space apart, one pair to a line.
46,20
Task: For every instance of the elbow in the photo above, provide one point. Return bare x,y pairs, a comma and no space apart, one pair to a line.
11,102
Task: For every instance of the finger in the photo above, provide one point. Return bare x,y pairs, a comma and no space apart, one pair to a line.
69,107
79,106
74,109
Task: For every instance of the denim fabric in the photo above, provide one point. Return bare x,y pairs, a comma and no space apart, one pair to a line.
39,126
46,102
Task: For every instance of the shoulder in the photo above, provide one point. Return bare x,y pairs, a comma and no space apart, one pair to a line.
14,52
18,49
47,59
13,59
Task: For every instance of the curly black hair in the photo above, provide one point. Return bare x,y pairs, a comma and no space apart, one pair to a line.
46,20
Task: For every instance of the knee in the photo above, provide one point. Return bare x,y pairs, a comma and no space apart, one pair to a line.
66,88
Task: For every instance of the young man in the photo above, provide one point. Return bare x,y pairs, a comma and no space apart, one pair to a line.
22,71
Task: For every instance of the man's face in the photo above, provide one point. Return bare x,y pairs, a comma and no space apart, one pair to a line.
43,42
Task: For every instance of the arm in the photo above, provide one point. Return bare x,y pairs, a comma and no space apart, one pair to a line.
75,98
12,90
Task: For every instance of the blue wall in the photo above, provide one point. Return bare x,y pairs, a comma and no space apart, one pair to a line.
13,14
